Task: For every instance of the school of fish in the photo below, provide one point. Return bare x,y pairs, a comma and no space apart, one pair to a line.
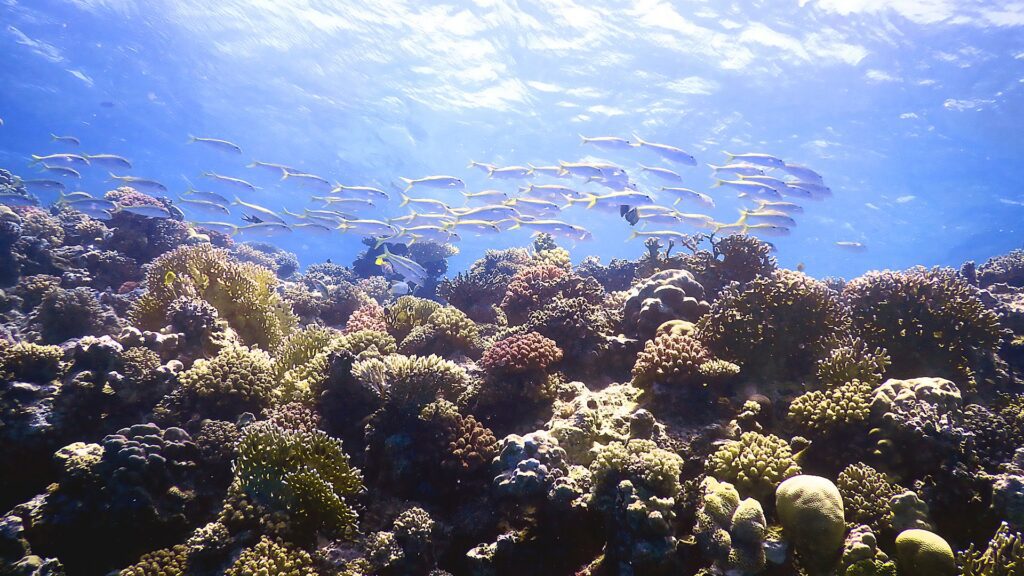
531,197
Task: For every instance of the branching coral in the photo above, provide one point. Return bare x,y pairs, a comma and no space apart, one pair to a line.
478,291
270,557
306,474
447,331
852,360
1004,556
671,360
755,464
243,294
832,412
30,362
236,380
408,383
576,325
281,262
1003,269
369,316
775,326
866,494
407,313
930,321
64,314
529,289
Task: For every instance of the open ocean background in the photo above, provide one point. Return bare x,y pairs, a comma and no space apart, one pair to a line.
912,110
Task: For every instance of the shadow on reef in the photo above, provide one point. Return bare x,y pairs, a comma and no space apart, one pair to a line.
174,403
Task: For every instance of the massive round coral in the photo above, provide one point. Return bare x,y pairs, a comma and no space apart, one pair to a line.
666,295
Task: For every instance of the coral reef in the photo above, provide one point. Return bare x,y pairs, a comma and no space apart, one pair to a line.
168,406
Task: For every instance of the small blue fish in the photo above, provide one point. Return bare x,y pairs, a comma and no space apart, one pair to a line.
17,200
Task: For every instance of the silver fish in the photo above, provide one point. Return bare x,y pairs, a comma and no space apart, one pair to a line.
109,161
194,194
485,212
690,195
533,207
549,192
313,227
262,230
234,182
309,181
663,173
668,235
758,158
803,173
668,152
146,211
851,246
62,170
17,200
66,158
367,191
140,184
580,169
408,269
607,142
266,214
65,140
222,227
204,206
222,145
613,199
330,200
43,185
738,169
406,200
481,165
774,217
552,171
445,182
84,204
368,227
509,172
281,169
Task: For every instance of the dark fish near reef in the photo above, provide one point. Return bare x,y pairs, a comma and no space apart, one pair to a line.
146,211
630,214
252,219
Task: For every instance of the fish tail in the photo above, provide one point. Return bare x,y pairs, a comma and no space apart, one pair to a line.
408,184
583,139
237,202
490,172
569,201
518,224
526,189
405,200
633,235
284,175
715,168
592,202
717,184
472,164
54,137
639,140
730,155
251,164
531,170
112,176
677,201
191,138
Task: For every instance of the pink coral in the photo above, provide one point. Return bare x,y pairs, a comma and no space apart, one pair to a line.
529,289
369,316
128,196
520,353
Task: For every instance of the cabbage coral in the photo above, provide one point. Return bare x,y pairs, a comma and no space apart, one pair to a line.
305,474
243,294
755,464
930,321
775,326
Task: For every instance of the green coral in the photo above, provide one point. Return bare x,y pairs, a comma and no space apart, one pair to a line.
270,558
407,313
300,363
304,473
554,257
369,343
838,409
930,321
408,383
755,464
775,326
924,553
866,494
810,510
244,294
31,362
641,462
730,530
171,561
1004,555
236,380
852,360
862,557
447,329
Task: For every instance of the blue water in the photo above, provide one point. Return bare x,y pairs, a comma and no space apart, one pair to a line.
911,110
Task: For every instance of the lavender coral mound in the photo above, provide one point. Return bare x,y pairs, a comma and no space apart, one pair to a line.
667,295
670,359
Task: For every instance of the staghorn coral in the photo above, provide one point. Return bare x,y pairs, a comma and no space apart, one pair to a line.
304,474
670,360
280,262
236,380
243,294
775,326
930,321
664,296
1004,555
755,464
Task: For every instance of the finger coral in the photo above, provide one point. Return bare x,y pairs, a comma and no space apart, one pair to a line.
755,464
270,557
236,380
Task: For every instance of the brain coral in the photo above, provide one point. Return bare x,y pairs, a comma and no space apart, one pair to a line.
666,295
243,294
930,321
